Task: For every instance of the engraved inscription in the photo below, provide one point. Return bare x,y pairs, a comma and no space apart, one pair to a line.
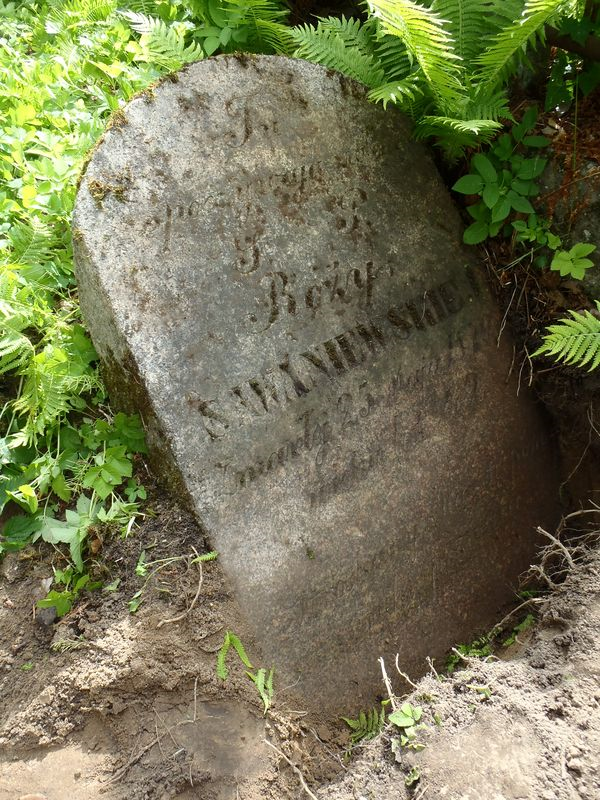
298,374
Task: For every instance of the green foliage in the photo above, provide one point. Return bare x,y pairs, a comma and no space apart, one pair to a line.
66,66
504,179
368,724
73,584
479,648
447,63
574,340
407,718
573,262
261,679
255,26
524,625
231,640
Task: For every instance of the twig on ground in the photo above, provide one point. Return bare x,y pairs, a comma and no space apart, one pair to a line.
403,674
532,601
133,760
166,727
432,668
559,544
388,685
294,767
189,609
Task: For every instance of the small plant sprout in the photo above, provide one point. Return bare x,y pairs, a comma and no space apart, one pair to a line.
407,718
262,679
484,692
573,262
368,724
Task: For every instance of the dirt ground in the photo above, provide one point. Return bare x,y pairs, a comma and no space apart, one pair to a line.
108,704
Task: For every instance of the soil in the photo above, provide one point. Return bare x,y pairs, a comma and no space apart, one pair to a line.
107,704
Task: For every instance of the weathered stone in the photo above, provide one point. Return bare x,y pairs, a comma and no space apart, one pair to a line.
272,274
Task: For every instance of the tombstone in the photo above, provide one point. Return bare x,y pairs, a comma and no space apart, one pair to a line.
272,274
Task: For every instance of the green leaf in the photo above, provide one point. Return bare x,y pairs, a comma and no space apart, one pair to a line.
61,601
491,194
581,249
18,531
522,187
484,167
501,210
520,203
476,232
536,141
531,168
401,720
60,488
469,184
211,44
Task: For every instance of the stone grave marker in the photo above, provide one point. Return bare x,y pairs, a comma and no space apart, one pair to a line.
272,274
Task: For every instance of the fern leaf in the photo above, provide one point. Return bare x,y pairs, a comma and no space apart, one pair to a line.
239,649
394,58
263,20
31,243
222,671
338,47
496,61
397,92
434,125
161,44
427,42
472,22
574,340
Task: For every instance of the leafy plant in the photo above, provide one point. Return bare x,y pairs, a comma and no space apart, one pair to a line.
447,63
573,262
74,583
368,724
479,648
574,340
505,180
407,718
524,625
256,26
261,679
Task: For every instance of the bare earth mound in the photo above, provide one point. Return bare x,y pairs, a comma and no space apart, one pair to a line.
105,704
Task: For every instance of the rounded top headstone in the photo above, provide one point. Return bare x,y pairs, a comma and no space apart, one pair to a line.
273,275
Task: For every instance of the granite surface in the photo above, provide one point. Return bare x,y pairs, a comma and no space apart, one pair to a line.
272,274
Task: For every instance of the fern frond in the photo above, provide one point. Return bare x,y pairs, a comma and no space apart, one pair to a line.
397,92
30,243
15,348
485,104
453,136
274,37
427,42
574,340
326,44
64,15
394,58
161,44
496,61
434,125
264,22
472,22
368,725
